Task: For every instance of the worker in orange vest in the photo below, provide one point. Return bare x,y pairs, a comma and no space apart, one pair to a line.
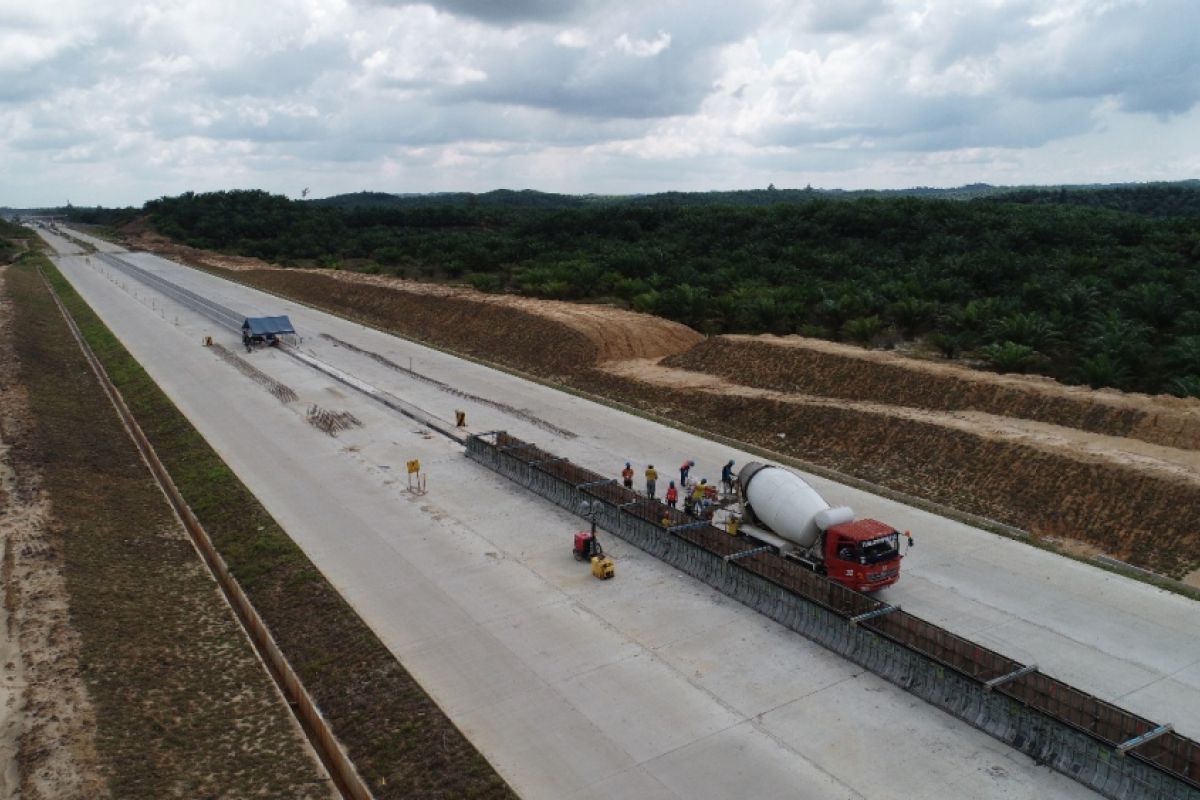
627,476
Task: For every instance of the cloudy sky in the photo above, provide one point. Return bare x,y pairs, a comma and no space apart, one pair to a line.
118,102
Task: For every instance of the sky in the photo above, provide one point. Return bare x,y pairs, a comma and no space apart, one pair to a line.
116,103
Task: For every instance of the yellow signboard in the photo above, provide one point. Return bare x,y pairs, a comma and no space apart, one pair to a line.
414,466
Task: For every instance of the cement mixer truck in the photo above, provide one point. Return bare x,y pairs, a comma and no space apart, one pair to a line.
780,509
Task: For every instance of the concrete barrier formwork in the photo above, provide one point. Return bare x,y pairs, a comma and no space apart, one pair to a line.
933,664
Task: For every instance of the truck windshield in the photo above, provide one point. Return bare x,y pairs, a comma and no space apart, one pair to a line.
883,548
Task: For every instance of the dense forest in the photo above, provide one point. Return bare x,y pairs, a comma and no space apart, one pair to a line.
1095,286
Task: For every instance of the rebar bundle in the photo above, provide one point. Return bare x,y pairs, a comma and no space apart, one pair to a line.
285,394
323,419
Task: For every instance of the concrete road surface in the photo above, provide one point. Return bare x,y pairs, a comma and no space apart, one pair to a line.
650,685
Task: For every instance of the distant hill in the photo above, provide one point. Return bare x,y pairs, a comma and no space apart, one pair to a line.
499,198
1179,198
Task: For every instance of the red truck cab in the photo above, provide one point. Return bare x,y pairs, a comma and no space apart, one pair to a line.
863,555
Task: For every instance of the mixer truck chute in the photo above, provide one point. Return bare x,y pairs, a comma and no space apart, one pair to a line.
780,509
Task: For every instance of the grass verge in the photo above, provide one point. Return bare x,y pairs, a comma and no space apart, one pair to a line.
183,708
398,738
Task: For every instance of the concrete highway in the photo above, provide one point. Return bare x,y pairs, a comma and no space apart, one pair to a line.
650,685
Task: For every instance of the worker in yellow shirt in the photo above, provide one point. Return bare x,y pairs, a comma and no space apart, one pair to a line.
651,480
698,501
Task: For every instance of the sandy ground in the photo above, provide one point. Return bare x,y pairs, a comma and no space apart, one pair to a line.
12,677
47,724
1175,463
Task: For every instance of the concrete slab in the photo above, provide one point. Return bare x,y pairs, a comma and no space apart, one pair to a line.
474,588
616,697
546,749
704,768
858,732
756,666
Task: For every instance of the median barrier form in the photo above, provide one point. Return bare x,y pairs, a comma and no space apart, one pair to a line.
1058,725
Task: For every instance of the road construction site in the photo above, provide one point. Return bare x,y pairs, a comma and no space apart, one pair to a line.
649,685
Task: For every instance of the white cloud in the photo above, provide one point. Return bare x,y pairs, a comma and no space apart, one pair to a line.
156,98
643,48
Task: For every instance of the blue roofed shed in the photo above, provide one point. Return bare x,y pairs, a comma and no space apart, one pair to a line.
267,326
265,330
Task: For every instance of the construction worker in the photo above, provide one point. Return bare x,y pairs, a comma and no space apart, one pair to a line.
651,481
727,477
627,476
684,469
698,497
672,495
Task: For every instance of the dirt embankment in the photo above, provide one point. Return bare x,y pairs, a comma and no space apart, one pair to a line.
814,367
548,339
545,337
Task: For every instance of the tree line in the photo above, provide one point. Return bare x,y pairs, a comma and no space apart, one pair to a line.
1092,286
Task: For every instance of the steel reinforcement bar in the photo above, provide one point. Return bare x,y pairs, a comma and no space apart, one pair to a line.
342,770
1116,753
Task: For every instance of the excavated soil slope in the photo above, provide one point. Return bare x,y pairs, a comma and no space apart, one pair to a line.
549,339
1122,509
815,367
545,337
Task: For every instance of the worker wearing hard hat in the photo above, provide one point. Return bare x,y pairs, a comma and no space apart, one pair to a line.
727,477
672,495
627,476
651,481
684,469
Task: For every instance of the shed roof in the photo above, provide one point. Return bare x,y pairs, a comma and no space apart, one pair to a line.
264,326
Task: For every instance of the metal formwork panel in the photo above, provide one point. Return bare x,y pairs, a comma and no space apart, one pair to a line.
1063,727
